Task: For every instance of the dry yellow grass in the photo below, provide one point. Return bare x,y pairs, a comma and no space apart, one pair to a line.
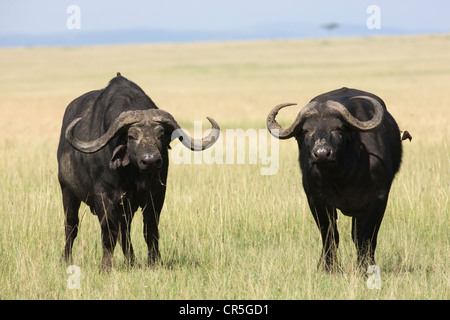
226,231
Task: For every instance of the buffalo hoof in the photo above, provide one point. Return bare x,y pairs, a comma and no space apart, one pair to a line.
129,262
154,259
107,262
329,266
66,259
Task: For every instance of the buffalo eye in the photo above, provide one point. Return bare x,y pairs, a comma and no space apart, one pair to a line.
159,133
337,132
303,133
132,137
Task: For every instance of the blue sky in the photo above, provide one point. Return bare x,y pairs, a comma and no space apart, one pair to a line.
45,16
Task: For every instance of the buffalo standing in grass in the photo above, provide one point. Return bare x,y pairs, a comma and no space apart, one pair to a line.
113,156
349,152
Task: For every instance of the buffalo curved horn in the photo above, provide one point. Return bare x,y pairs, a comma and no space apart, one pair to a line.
125,119
128,118
363,126
275,128
177,133
162,116
196,144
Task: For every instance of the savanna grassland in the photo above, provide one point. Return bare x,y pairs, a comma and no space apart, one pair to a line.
228,232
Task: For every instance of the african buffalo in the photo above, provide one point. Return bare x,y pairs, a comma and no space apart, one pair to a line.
349,152
113,156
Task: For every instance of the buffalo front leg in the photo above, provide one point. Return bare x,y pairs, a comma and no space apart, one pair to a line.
365,231
109,224
151,235
151,215
71,205
125,235
152,210
325,218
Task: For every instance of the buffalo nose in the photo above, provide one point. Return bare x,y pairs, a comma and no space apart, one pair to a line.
150,161
322,153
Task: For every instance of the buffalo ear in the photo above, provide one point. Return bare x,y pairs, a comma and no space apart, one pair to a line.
120,157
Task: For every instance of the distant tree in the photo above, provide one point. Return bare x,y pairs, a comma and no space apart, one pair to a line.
330,27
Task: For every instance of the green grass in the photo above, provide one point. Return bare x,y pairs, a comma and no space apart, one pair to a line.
227,232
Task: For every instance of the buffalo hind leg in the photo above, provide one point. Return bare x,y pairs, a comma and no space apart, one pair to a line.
365,231
71,206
